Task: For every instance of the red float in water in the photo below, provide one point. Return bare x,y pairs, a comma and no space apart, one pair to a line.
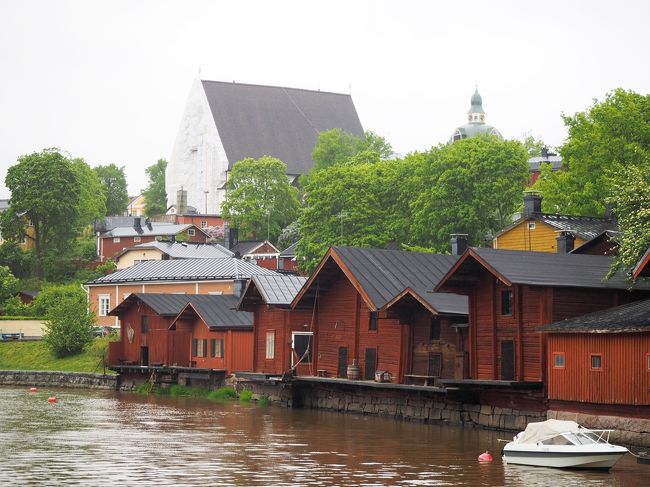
51,399
485,457
33,389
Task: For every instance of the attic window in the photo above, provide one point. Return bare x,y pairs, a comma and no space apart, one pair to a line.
435,329
506,302
531,225
372,323
137,239
191,232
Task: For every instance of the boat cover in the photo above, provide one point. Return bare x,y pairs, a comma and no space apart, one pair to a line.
544,430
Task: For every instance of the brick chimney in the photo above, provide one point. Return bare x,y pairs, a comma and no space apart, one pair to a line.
230,237
565,241
458,243
532,203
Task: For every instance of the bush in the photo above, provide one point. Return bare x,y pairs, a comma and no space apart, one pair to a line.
15,307
263,400
50,296
69,327
223,393
246,395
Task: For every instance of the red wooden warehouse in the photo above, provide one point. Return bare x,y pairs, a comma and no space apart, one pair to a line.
283,338
371,310
599,363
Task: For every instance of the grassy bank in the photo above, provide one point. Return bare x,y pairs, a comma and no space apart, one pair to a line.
34,355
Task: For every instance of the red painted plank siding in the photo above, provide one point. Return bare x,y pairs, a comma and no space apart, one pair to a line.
624,378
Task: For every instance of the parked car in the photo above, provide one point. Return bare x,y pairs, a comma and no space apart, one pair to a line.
102,331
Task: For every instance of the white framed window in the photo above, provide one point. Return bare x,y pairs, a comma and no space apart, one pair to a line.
116,239
104,304
531,226
191,232
204,224
270,344
302,347
137,239
216,347
215,293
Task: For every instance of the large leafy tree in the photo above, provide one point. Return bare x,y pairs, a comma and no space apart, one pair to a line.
336,146
472,186
154,194
603,140
91,197
114,188
260,200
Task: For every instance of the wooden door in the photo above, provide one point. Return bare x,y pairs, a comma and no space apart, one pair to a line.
343,362
370,364
507,360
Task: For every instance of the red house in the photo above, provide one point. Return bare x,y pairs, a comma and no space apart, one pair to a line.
264,253
371,311
512,293
287,260
283,338
599,363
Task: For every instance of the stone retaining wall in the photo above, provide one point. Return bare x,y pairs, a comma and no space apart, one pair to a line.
57,379
628,431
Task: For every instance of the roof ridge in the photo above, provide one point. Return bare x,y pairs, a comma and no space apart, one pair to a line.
599,218
275,86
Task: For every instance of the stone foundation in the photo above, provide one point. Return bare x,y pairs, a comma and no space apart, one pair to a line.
57,379
628,431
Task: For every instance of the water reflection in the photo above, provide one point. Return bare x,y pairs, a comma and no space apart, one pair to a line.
101,438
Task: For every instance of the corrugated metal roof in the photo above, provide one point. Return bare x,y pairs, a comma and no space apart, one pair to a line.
290,251
185,270
383,274
255,120
584,227
188,250
219,312
280,289
549,269
630,318
163,304
157,229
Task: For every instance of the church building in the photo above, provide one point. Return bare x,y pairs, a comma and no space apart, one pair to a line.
475,122
226,122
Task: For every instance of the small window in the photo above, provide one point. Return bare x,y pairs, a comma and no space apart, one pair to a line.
195,347
204,224
199,347
144,325
435,329
116,239
372,323
648,361
191,232
137,239
596,361
301,342
104,304
558,360
270,345
216,347
506,302
531,226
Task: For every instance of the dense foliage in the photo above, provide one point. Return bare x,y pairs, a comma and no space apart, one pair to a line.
154,194
69,327
114,188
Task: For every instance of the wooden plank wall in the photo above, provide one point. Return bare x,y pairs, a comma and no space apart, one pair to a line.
624,378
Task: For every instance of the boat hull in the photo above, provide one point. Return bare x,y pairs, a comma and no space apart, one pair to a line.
570,459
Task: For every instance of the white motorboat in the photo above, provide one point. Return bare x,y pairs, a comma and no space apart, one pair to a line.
562,444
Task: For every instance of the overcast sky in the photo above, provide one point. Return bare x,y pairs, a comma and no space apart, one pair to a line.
108,81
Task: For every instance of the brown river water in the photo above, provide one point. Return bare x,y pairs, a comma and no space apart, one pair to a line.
97,438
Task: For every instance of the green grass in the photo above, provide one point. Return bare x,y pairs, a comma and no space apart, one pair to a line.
245,395
34,355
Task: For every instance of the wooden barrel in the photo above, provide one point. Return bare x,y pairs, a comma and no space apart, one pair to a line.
353,371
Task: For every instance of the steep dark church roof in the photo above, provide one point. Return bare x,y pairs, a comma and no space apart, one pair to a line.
256,120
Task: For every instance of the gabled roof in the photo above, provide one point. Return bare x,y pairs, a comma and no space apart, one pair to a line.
537,269
642,269
290,251
245,247
256,120
163,304
604,240
381,275
151,229
226,268
184,250
585,227
445,303
217,312
629,318
273,290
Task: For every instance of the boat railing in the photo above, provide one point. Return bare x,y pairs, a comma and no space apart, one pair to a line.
599,434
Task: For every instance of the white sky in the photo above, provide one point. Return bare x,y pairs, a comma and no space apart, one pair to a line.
108,81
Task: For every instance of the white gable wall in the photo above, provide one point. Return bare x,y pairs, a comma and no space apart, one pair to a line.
198,162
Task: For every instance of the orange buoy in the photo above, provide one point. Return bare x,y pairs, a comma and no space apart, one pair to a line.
33,389
485,457
51,399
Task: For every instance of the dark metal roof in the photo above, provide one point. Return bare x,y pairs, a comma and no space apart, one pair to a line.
187,250
629,318
185,270
585,227
150,229
245,247
219,311
163,304
445,303
290,251
545,269
256,120
276,290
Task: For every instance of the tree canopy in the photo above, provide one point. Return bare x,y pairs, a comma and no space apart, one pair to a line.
336,146
114,188
154,194
260,200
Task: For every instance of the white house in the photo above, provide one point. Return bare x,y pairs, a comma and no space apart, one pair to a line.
226,122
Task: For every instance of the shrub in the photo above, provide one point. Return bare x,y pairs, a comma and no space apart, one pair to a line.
223,393
50,296
246,395
15,307
263,400
69,327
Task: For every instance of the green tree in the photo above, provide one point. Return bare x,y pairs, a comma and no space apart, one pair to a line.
260,200
472,186
289,235
19,261
631,198
92,202
69,327
533,146
377,144
50,295
114,188
8,284
154,194
334,146
607,137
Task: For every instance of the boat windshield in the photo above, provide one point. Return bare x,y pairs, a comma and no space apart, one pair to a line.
572,439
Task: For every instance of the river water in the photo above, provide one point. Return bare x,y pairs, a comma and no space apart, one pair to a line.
98,438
